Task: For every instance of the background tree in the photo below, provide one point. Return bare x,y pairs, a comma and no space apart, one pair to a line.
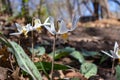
6,6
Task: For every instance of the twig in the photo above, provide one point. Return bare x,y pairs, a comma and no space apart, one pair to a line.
11,62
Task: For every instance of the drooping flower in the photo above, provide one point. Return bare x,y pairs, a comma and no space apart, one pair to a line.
22,29
38,25
113,53
62,26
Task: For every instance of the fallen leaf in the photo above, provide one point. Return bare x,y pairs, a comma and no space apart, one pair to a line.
3,73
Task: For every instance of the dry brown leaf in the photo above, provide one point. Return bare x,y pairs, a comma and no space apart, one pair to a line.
3,73
15,74
75,74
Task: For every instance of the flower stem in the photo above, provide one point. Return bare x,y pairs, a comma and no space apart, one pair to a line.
53,55
32,45
113,66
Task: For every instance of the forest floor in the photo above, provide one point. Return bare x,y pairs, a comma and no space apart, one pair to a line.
91,36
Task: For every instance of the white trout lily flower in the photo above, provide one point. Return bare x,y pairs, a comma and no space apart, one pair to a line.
22,29
114,54
62,26
38,25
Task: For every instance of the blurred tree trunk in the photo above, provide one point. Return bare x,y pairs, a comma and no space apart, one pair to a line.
25,10
96,8
105,12
69,6
6,4
0,7
40,10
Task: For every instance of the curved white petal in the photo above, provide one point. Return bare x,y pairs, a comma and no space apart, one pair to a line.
47,24
15,33
28,27
116,48
63,29
107,54
37,21
51,27
46,21
37,26
113,54
75,19
19,27
52,24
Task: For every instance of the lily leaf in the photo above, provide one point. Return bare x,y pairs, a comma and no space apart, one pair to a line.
78,56
4,40
89,53
24,61
38,50
75,78
118,72
63,52
47,66
104,57
88,69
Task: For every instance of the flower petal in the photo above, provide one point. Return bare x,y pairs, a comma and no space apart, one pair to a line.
46,22
37,21
113,54
19,27
63,29
75,19
116,49
29,27
16,33
51,27
107,54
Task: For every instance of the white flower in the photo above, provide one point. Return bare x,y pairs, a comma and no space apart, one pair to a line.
22,29
38,24
114,54
62,26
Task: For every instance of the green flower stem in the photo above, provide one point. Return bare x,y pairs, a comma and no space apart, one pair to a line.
53,55
113,66
32,45
19,39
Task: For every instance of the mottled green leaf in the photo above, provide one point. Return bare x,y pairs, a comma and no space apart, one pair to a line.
24,61
38,50
89,53
78,56
88,69
104,57
118,72
63,52
47,66
4,40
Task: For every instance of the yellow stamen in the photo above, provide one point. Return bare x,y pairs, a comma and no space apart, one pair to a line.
64,36
39,29
119,55
25,32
